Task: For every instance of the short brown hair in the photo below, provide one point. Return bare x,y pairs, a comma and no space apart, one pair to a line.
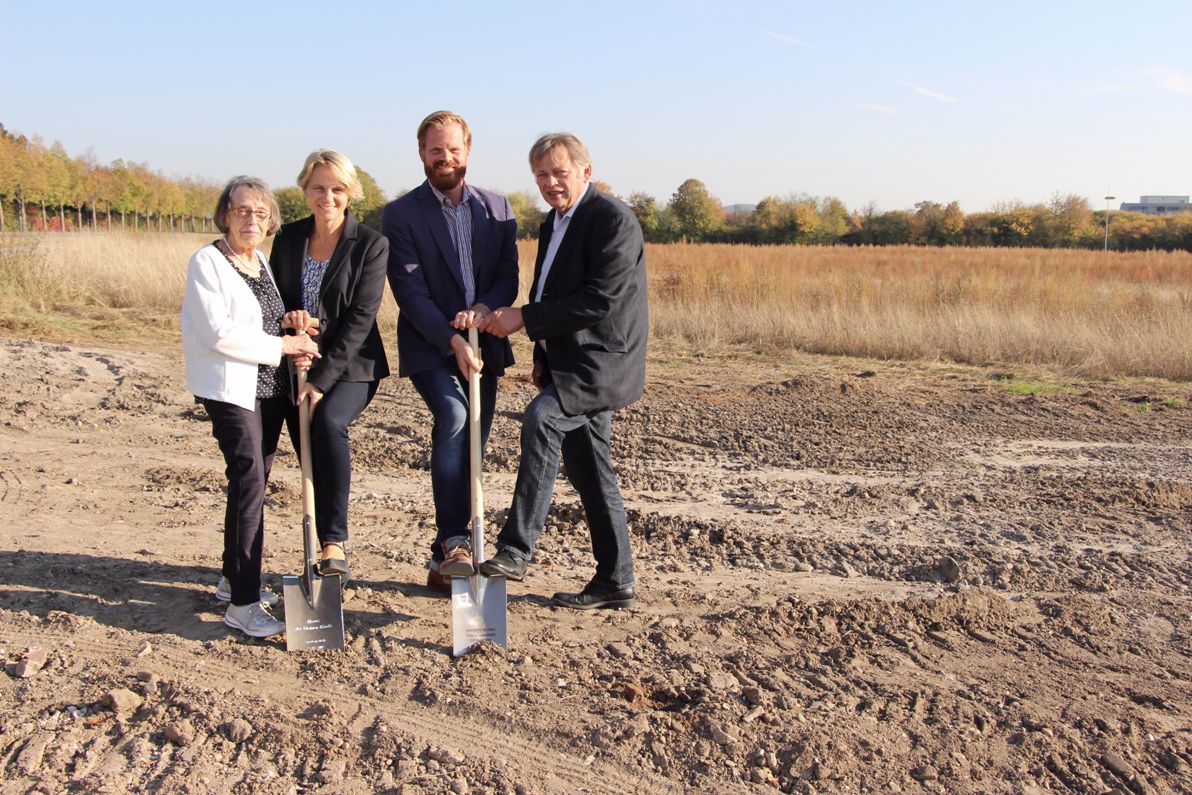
569,141
340,167
258,186
440,119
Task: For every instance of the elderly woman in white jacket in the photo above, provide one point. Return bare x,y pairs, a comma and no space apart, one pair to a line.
235,350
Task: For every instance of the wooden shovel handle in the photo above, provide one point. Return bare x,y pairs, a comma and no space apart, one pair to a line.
474,449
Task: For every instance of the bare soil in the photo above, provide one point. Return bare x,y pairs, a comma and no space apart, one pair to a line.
853,577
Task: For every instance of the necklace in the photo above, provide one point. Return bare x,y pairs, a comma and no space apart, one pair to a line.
240,262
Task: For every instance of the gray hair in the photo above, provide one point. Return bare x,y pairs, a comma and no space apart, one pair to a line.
257,186
569,141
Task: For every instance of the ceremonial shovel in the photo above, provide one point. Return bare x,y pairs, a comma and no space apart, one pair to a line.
314,603
478,603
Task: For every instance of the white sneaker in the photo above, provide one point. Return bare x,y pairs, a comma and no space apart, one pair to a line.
254,620
223,592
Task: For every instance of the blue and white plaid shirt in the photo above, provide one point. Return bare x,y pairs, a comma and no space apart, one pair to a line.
459,224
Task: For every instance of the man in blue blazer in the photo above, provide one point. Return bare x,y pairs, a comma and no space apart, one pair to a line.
452,256
587,315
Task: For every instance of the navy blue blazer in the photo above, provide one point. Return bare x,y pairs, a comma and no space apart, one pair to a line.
593,313
349,298
425,275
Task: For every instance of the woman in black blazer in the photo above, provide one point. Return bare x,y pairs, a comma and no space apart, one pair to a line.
330,267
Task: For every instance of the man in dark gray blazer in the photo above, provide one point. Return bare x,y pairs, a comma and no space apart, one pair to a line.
587,316
452,256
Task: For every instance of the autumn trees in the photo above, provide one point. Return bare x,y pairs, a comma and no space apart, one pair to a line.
49,190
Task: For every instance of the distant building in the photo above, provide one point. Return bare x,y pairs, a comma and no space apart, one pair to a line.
1159,205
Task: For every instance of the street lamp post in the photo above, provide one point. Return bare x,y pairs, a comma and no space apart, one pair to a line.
1108,199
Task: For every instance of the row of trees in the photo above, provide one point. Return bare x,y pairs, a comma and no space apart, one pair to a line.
44,188
1066,221
49,190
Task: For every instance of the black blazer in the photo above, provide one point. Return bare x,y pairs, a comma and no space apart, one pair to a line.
348,301
593,314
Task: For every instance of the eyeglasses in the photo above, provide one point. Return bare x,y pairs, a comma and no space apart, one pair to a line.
248,212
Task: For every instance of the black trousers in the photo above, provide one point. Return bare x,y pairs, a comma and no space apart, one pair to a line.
248,441
331,457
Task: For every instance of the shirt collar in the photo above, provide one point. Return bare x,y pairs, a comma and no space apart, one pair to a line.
445,202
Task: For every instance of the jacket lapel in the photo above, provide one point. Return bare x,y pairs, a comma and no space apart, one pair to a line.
292,263
480,235
544,234
438,228
339,257
570,236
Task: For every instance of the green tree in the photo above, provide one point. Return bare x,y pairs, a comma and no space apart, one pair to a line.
645,209
529,215
1070,219
697,213
368,209
292,204
7,171
128,192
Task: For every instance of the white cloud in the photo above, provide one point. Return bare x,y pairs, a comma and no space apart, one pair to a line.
1170,79
795,40
876,107
925,91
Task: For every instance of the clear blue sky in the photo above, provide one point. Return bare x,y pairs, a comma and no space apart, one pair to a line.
889,102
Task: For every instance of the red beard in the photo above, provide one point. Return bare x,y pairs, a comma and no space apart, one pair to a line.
444,182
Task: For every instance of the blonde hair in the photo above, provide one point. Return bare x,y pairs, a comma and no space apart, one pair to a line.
569,141
340,167
440,119
257,186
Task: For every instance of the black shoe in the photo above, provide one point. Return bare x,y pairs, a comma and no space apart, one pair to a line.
338,566
504,564
591,598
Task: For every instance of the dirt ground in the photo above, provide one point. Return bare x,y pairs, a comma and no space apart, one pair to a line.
853,577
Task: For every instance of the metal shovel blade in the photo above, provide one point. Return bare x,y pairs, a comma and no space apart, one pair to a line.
314,612
478,606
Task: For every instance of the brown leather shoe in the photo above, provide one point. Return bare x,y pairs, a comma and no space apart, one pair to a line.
457,562
439,583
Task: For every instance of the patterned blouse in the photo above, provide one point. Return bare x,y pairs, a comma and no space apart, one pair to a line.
312,283
272,381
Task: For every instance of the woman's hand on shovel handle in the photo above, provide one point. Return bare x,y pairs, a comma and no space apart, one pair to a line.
301,321
311,392
299,345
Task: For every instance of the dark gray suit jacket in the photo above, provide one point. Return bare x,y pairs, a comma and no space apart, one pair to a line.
593,314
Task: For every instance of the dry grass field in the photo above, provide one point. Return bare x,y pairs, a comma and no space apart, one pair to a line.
1081,313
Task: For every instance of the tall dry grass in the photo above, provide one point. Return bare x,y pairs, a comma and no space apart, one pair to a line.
1087,313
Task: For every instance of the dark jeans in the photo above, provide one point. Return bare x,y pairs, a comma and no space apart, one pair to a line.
248,441
331,458
585,443
445,392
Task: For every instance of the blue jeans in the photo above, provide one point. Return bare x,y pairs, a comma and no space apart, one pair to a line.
445,392
585,443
